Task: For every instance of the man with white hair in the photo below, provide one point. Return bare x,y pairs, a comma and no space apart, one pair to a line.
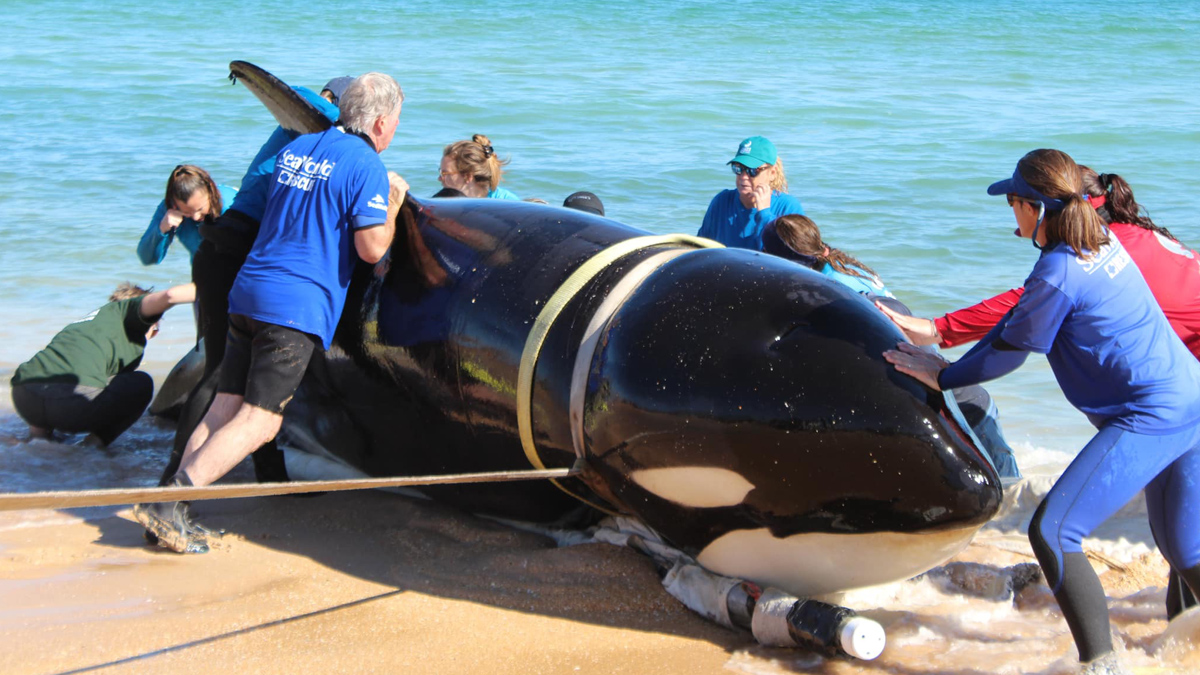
328,189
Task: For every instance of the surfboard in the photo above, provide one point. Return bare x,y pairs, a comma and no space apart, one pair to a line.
290,109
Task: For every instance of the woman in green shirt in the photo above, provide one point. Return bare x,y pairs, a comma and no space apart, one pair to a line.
86,379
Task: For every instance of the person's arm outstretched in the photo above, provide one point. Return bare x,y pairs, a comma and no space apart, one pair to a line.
154,304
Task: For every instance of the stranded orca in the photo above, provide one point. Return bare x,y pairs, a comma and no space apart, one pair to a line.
734,402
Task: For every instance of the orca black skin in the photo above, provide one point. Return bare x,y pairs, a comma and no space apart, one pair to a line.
732,395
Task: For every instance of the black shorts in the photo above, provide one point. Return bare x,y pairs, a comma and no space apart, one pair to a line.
264,362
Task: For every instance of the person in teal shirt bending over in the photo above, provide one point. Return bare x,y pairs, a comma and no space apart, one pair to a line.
472,168
737,217
192,198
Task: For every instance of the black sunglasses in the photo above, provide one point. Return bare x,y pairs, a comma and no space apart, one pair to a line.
738,170
1014,198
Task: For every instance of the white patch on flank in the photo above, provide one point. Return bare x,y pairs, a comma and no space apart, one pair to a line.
813,564
701,487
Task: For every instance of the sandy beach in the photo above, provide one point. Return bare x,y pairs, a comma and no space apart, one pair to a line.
373,582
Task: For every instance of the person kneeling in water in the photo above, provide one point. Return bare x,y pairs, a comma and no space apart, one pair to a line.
86,379
798,238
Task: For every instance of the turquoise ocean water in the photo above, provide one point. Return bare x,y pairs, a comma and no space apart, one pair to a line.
891,119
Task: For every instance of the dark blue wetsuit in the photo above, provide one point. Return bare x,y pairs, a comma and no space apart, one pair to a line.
1118,361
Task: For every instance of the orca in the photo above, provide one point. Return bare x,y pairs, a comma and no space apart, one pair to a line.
736,403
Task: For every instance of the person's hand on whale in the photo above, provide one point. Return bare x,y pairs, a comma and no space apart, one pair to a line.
916,362
919,331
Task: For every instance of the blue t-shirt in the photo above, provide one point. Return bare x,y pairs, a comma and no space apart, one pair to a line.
736,226
1107,341
503,193
252,197
154,244
868,284
325,187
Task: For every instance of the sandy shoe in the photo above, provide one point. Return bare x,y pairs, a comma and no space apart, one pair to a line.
171,527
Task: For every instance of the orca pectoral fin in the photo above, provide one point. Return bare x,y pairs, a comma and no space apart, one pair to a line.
292,110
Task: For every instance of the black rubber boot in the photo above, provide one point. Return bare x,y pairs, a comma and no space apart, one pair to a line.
169,524
1179,591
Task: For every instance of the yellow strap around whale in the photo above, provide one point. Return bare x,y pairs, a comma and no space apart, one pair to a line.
554,306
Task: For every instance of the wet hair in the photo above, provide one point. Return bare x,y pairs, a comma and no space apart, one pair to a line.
1119,204
127,290
802,236
369,97
1054,174
477,159
185,180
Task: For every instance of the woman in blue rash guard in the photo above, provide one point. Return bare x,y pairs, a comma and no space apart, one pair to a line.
1087,307
737,217
191,199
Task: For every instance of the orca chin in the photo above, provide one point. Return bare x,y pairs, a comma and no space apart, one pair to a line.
815,564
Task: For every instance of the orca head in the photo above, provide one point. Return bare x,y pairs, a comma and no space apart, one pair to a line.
740,405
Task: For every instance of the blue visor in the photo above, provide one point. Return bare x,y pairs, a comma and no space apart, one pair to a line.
1017,186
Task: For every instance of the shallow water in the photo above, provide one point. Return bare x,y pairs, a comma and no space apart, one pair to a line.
891,119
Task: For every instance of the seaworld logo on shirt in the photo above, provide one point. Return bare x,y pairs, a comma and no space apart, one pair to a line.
302,171
378,202
1112,259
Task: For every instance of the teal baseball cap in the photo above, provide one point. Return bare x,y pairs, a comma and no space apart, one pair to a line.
754,152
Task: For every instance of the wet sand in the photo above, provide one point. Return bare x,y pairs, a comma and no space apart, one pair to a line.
375,582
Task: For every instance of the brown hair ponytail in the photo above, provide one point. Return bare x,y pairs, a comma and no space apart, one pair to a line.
1054,174
1119,204
802,235
185,180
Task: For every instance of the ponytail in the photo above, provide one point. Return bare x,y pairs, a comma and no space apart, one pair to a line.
802,236
1078,225
1122,208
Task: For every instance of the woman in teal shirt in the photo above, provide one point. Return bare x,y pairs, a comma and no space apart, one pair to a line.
472,168
191,199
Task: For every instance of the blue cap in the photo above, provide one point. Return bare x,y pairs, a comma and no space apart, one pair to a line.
337,87
1017,186
754,152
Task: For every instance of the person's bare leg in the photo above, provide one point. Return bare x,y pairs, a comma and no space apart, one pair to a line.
223,408
232,442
